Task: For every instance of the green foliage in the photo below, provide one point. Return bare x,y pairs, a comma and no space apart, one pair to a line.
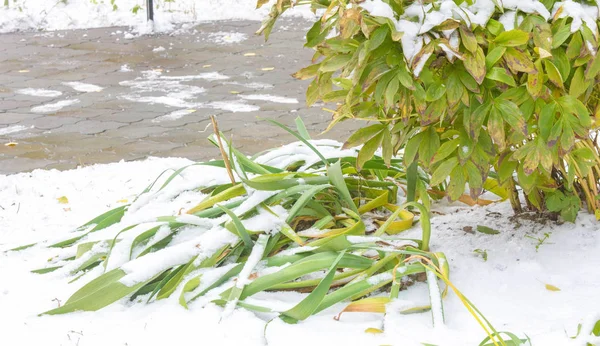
465,101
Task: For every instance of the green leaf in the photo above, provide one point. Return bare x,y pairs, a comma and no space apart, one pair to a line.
429,146
512,38
368,150
378,37
362,135
468,39
445,150
435,92
553,74
499,74
302,128
493,56
442,171
512,115
301,139
518,61
456,187
391,92
475,65
98,293
579,84
309,305
486,230
239,227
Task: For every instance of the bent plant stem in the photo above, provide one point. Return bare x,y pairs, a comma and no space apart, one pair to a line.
466,302
223,153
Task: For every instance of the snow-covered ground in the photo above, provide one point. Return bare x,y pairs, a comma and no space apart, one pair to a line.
509,287
28,15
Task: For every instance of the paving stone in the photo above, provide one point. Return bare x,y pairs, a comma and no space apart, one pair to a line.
107,126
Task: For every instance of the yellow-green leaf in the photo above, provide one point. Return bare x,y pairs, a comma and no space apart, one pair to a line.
517,61
552,288
63,200
475,65
553,74
512,38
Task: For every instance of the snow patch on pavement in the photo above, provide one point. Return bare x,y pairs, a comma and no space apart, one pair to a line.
222,37
84,87
12,129
53,107
39,92
269,98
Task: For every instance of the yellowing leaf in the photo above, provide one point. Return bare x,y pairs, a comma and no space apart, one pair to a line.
205,66
11,144
519,61
597,213
475,65
122,201
373,331
234,92
373,304
63,200
552,288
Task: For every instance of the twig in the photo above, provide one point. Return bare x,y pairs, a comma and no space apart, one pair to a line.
225,158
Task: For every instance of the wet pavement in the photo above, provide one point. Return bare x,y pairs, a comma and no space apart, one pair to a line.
75,98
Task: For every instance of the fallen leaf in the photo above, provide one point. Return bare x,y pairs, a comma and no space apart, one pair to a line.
552,288
205,66
234,92
63,200
250,54
23,71
373,331
267,68
486,230
122,201
11,144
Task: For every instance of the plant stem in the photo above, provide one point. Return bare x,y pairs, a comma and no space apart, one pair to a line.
514,197
223,153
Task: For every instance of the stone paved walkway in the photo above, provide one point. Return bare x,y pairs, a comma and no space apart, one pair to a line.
107,98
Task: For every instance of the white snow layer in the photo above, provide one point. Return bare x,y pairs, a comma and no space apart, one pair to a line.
509,288
23,15
419,18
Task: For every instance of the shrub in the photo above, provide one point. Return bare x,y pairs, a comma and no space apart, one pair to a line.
475,93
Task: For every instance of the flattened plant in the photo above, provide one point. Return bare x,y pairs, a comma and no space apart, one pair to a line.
298,218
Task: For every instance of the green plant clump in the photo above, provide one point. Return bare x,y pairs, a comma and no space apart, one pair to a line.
325,219
468,90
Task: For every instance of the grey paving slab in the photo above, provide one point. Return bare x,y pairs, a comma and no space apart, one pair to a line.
152,101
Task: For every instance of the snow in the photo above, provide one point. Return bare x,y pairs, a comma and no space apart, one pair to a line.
81,14
509,288
420,18
270,98
39,92
174,115
222,37
12,129
53,107
83,87
580,13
